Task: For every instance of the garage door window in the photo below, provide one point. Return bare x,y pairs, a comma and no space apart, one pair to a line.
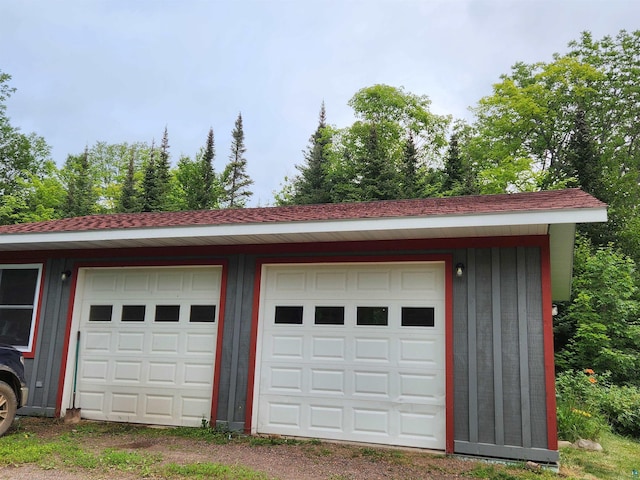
133,313
167,313
289,315
418,317
373,316
329,316
202,313
100,313
18,296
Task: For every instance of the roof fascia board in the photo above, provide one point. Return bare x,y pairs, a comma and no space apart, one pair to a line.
549,217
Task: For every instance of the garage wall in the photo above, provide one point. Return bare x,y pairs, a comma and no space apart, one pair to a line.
500,394
499,387
232,399
43,371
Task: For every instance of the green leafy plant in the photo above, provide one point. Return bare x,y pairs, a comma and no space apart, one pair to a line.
621,406
578,397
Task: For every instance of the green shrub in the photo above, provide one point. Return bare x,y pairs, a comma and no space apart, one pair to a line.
621,406
578,397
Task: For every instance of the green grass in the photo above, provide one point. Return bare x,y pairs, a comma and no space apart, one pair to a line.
69,450
66,451
210,470
619,457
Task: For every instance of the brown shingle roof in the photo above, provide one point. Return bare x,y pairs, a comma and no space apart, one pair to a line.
468,205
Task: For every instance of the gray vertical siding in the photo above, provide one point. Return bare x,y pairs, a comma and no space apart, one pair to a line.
502,368
44,371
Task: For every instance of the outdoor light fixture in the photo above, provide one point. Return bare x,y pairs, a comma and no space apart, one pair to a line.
64,275
554,310
459,270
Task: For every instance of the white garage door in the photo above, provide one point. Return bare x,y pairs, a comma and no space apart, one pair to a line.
148,343
353,352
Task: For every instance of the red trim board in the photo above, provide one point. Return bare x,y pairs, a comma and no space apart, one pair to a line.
549,364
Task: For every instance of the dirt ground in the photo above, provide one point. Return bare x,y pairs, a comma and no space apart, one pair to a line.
300,461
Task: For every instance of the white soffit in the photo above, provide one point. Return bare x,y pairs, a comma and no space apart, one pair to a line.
446,226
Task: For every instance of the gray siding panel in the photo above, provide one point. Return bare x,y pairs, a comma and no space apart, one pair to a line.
461,374
510,347
536,350
496,314
484,354
44,371
505,408
525,401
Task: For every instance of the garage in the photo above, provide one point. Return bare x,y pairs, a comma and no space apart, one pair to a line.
352,351
147,343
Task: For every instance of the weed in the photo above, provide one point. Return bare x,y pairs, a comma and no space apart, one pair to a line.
212,471
272,440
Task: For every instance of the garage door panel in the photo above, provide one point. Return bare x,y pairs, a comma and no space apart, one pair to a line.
377,378
371,384
372,350
287,346
327,381
97,341
124,404
162,373
94,370
413,387
131,342
328,348
200,343
136,369
425,353
127,371
285,379
326,418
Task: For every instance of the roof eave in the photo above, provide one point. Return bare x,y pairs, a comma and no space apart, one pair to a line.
295,231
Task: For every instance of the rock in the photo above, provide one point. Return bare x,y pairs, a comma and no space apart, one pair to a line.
588,445
564,444
532,466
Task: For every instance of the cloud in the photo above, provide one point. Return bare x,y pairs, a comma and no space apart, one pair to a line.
118,71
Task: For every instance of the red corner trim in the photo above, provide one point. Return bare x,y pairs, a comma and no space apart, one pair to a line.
549,364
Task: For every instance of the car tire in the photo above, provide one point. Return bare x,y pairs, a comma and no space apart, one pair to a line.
8,407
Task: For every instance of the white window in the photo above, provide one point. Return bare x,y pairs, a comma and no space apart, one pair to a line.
19,286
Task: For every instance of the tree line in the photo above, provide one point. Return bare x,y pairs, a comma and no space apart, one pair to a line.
114,178
573,121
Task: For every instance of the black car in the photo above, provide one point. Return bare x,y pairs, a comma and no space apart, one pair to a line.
13,390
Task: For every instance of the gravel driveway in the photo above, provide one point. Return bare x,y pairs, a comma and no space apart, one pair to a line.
308,460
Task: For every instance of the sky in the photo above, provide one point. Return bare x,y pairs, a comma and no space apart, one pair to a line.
123,70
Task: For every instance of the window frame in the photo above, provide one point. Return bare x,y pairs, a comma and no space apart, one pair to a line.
28,350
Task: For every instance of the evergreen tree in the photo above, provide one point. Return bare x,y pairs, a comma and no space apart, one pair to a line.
235,180
209,197
163,173
197,179
582,158
312,185
458,178
128,201
377,181
81,198
410,187
150,199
